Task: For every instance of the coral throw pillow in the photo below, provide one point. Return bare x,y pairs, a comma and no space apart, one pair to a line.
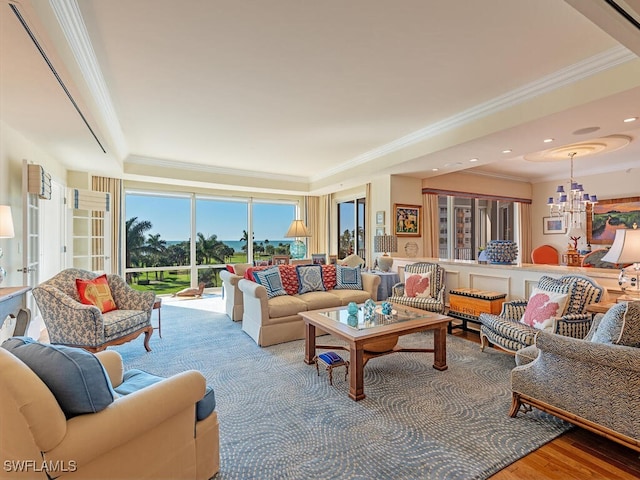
96,292
418,285
543,306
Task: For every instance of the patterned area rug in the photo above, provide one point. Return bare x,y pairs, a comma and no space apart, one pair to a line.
279,419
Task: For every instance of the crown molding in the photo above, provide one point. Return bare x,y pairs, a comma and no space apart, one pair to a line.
70,19
565,76
198,167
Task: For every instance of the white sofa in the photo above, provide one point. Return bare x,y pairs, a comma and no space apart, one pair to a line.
275,320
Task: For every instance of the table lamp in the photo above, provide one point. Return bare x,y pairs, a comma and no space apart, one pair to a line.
625,250
6,231
385,244
297,230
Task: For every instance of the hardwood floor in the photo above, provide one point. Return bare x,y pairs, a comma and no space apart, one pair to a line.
575,455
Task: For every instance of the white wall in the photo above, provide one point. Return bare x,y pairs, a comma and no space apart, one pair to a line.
13,149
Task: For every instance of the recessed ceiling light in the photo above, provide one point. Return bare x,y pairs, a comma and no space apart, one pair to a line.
473,160
630,119
435,169
508,150
548,140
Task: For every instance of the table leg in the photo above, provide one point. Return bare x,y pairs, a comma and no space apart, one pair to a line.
440,348
356,372
309,344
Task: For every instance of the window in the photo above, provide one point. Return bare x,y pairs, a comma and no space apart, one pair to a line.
351,228
467,224
165,250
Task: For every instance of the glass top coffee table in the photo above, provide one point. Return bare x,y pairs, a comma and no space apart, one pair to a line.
374,337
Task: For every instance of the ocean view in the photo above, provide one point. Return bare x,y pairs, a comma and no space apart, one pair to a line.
237,244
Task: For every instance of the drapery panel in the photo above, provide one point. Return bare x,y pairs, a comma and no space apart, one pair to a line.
114,187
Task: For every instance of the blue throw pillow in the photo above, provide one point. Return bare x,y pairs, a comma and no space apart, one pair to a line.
134,380
310,278
271,280
75,376
348,278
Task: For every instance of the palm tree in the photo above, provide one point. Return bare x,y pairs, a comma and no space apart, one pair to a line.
156,250
136,245
245,239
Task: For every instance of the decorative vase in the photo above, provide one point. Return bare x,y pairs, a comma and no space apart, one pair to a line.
385,263
503,252
352,308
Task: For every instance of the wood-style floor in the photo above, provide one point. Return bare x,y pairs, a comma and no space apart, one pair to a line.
575,455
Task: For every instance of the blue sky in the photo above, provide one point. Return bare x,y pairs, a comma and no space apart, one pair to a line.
170,217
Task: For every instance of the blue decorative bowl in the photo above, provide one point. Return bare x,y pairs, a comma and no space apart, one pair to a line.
502,252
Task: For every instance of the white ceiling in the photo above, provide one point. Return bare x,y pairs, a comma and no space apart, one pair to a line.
310,95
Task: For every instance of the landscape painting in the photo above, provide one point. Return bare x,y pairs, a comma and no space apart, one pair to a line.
611,215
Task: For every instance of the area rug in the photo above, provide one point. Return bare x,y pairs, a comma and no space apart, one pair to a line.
280,420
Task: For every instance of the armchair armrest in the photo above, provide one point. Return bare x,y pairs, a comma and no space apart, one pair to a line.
127,298
397,290
574,325
514,309
230,278
89,436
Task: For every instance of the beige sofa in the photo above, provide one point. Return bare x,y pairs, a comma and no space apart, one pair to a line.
233,304
275,320
151,433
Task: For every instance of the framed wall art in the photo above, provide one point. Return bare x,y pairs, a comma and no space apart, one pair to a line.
607,216
380,217
552,225
407,220
281,259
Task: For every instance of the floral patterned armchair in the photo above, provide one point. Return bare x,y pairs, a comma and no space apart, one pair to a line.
509,333
70,322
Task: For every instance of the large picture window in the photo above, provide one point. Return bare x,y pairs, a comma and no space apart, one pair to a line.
351,228
165,250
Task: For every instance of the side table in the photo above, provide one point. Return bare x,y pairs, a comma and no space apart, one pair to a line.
387,281
157,305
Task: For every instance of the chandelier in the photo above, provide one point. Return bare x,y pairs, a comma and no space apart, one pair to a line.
572,205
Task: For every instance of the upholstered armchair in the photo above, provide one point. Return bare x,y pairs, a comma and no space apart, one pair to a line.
431,299
97,421
70,322
509,333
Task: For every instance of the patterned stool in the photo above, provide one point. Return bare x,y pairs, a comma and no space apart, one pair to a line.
331,360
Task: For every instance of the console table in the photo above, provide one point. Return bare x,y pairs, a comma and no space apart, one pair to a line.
13,299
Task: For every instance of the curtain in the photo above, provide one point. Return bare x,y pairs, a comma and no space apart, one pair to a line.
114,187
431,226
367,226
524,231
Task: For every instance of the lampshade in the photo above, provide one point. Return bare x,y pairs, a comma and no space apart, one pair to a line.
297,229
625,248
385,243
6,222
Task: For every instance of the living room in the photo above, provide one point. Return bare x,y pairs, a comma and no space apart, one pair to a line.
311,115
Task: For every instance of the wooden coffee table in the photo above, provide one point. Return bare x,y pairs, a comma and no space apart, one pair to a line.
409,320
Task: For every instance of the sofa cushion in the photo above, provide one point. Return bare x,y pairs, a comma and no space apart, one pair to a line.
75,377
271,281
543,306
620,325
285,306
310,278
96,292
346,296
418,285
317,300
348,278
134,380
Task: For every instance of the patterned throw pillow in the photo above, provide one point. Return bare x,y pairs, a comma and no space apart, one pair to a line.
564,285
620,325
543,306
310,278
271,281
96,292
418,285
289,278
348,278
329,276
